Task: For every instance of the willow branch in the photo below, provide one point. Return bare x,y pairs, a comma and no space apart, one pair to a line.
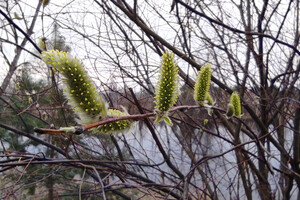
80,129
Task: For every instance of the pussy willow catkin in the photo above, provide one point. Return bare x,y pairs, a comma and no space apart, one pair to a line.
236,102
166,91
208,99
45,2
230,110
115,127
42,43
80,90
202,85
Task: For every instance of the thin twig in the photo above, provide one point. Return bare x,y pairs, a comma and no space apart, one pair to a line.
19,29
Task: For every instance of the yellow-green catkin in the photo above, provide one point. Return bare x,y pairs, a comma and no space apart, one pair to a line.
230,110
205,121
236,102
42,43
16,16
208,99
45,2
80,90
117,126
166,91
202,85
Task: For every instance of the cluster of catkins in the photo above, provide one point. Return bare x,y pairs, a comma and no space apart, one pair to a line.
91,107
167,90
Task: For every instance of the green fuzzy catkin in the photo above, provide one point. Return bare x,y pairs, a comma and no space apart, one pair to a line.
42,43
236,102
16,16
117,126
45,2
230,110
205,121
166,91
202,84
80,90
209,100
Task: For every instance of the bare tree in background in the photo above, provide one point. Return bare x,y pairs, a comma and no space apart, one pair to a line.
253,47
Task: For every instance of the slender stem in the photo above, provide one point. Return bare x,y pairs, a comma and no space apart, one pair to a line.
80,129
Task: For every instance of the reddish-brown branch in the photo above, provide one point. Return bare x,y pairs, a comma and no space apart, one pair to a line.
80,129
